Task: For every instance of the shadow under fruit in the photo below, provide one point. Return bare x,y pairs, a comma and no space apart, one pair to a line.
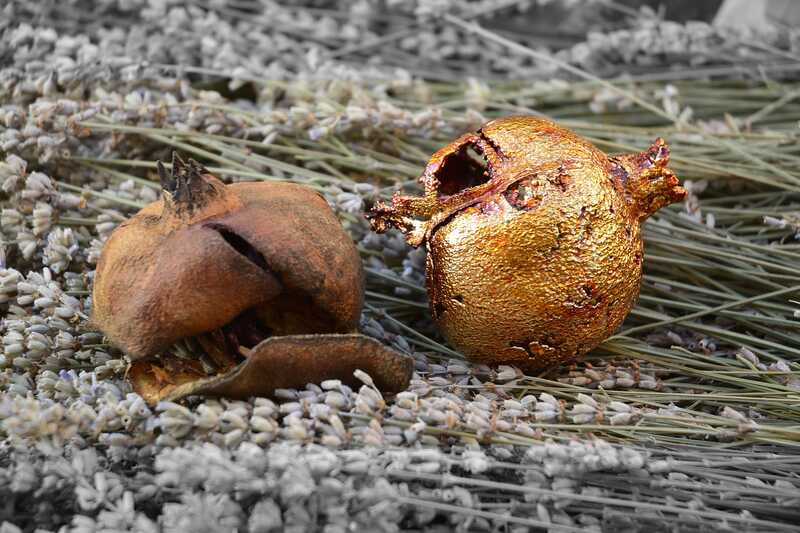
533,237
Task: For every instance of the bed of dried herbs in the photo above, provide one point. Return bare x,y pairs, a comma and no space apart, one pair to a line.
688,418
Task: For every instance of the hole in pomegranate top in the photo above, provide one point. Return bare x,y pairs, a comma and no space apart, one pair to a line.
461,170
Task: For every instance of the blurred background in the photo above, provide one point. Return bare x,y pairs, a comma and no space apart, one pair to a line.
273,39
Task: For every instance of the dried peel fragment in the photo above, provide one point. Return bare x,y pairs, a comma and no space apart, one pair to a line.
535,255
226,267
280,362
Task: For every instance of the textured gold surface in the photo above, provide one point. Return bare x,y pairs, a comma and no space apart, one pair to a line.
542,261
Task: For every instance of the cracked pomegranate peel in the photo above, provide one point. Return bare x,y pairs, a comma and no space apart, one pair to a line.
535,253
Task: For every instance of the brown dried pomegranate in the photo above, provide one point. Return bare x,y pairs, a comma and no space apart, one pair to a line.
536,258
260,277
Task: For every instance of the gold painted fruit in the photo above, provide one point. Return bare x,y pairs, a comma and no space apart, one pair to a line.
533,237
258,280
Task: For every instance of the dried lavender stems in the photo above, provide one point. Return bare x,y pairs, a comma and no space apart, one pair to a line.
689,416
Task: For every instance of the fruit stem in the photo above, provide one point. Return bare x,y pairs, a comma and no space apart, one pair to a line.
647,180
189,185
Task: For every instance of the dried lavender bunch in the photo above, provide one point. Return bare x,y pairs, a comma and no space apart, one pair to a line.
630,438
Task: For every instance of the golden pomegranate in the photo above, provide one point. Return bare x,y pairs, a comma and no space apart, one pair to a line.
259,278
534,253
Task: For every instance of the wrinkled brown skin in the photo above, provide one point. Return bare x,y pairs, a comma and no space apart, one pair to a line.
539,282
206,253
283,362
168,274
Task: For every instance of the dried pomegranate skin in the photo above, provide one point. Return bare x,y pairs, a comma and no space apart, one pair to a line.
305,245
541,261
282,362
174,271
